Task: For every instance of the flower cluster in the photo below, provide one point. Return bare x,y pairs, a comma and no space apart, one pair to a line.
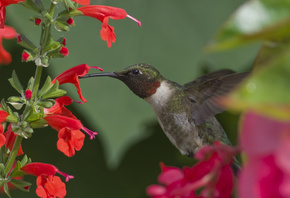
212,174
38,106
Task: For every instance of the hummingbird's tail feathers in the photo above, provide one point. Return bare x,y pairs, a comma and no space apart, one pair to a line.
206,102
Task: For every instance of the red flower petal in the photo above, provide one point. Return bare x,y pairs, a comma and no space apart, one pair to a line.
3,4
7,33
3,116
69,141
82,2
2,137
49,187
58,122
71,76
10,139
38,169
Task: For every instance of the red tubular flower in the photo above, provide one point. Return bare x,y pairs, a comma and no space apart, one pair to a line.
103,13
10,137
82,2
72,76
3,5
64,51
69,141
50,187
38,169
212,174
3,116
7,33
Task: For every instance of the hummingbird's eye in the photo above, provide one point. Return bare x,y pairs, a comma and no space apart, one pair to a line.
136,71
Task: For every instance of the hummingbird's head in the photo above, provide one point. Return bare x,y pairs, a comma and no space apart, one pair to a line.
142,79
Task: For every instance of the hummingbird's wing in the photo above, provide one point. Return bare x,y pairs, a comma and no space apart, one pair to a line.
206,90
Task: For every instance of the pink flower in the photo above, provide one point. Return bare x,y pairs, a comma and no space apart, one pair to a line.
7,33
212,174
3,5
266,143
72,76
103,13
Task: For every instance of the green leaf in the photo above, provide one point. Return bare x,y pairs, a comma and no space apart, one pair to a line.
267,89
45,87
254,21
46,103
30,83
15,83
24,160
22,185
26,43
53,92
6,189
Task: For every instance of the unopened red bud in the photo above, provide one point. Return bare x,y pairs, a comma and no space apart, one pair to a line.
64,41
25,56
28,94
64,51
37,21
70,21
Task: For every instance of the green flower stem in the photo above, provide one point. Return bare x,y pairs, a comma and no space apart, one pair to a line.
51,10
37,78
13,154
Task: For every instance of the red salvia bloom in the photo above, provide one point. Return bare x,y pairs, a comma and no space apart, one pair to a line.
7,33
3,5
64,51
38,169
10,137
3,116
50,187
82,2
72,76
69,141
103,13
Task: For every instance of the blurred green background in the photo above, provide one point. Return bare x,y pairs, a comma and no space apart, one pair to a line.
124,158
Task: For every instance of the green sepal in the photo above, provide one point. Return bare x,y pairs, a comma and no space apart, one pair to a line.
30,4
26,43
30,83
38,123
30,114
12,118
65,15
25,160
47,84
15,83
31,57
16,172
2,167
53,92
20,184
69,5
42,61
6,189
46,103
14,99
16,102
51,46
56,1
61,26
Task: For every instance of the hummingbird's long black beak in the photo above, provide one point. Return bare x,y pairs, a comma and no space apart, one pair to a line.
109,74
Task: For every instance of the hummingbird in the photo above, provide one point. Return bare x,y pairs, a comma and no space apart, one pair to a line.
186,113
